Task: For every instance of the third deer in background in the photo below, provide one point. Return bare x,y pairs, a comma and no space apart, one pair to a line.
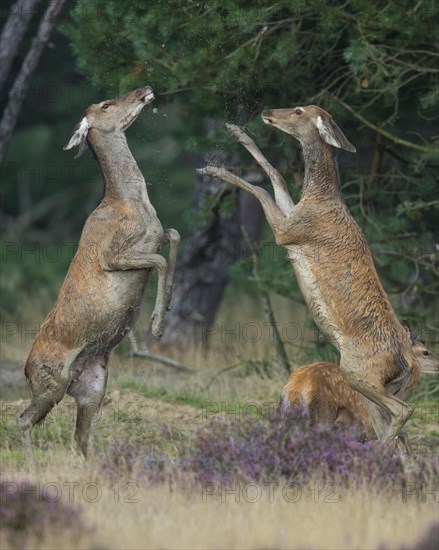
320,390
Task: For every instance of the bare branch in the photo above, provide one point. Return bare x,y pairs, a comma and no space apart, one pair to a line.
281,354
12,34
136,352
21,84
225,369
163,360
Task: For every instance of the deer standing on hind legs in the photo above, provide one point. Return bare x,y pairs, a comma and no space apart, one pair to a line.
334,267
101,296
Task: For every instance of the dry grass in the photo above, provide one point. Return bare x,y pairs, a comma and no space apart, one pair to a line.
141,398
133,516
138,515
360,520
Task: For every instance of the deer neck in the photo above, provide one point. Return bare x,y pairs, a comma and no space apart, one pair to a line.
122,177
321,172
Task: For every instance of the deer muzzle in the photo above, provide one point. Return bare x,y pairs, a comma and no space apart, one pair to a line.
147,96
267,117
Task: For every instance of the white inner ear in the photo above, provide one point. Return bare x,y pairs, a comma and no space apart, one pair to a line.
78,135
326,132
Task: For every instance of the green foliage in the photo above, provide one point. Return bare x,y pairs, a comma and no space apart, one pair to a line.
274,272
231,59
27,269
232,54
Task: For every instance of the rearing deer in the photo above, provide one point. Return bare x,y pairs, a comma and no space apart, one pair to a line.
334,266
101,296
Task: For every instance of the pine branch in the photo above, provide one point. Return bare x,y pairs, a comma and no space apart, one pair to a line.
388,135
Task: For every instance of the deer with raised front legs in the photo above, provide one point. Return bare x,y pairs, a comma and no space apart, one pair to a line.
334,267
101,296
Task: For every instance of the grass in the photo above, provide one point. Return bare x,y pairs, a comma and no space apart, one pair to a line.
174,519
159,417
166,395
127,514
156,411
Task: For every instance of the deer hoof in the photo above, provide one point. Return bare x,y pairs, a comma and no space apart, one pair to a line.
156,325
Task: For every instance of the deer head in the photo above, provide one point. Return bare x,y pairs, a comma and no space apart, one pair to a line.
429,363
308,124
111,115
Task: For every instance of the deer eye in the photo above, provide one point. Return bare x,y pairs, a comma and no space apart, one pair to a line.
425,353
297,111
105,105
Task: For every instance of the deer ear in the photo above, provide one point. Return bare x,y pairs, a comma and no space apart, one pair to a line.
331,134
78,137
406,326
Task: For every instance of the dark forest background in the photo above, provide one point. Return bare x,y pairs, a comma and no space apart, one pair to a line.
373,65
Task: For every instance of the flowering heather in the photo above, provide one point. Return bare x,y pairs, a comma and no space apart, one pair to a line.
130,461
227,452
120,459
256,451
27,514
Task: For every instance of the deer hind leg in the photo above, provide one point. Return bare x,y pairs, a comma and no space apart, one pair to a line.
285,412
48,381
322,411
389,420
404,444
88,388
35,413
381,421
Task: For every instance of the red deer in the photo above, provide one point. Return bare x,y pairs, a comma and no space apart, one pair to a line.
321,390
334,267
101,296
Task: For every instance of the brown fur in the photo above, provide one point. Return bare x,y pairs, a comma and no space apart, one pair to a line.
101,296
334,267
321,389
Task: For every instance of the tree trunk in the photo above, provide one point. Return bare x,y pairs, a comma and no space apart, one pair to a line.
202,271
12,34
21,84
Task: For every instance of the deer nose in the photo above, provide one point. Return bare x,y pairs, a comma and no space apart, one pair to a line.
148,94
266,116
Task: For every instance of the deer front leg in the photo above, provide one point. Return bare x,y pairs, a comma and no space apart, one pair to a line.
137,260
281,194
173,237
296,228
274,215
